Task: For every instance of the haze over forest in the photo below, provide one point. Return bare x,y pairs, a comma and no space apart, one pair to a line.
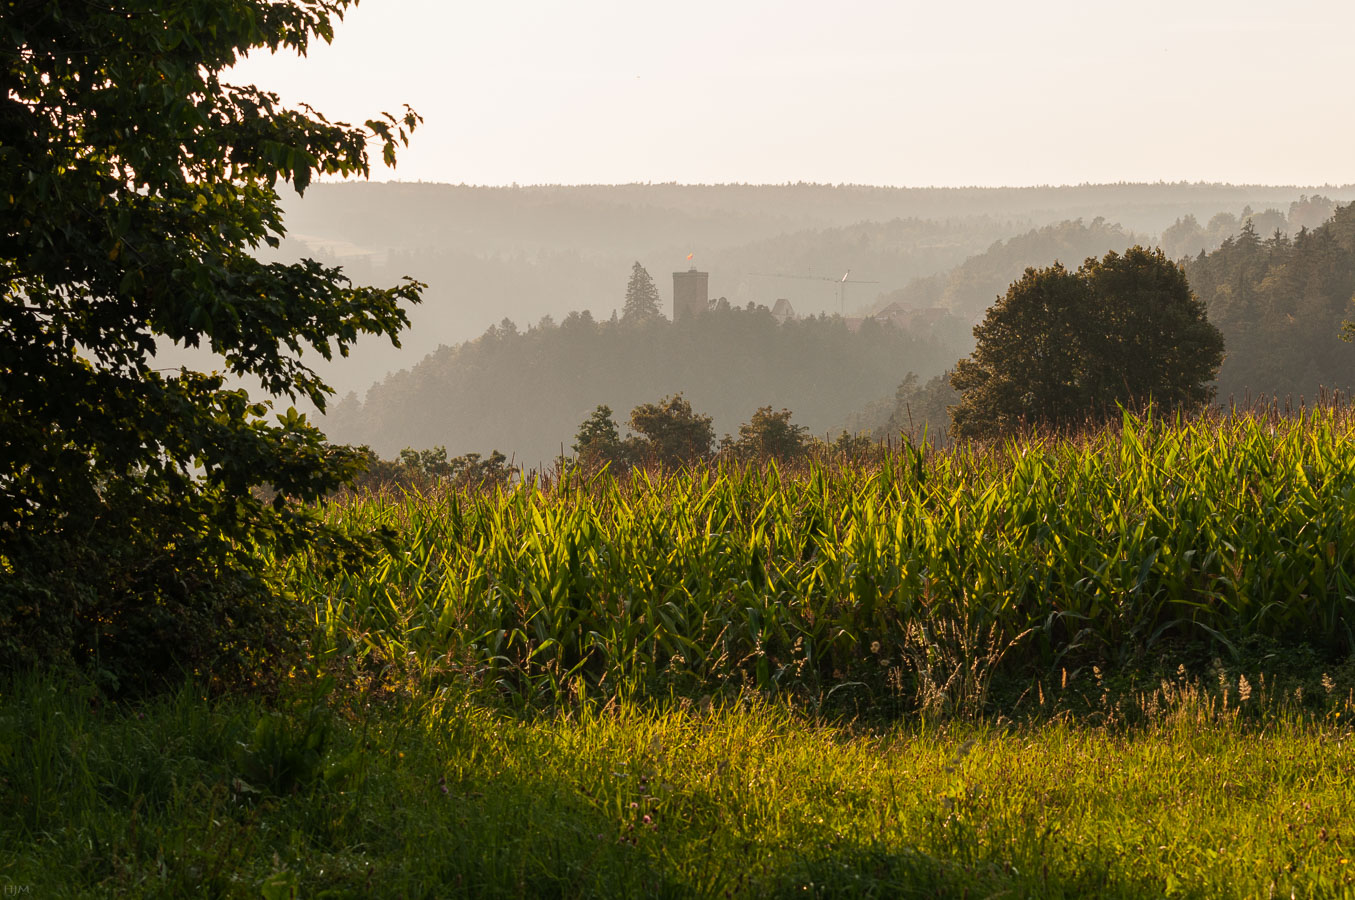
521,253
527,257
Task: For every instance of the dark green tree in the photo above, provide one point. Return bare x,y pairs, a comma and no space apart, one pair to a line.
426,470
670,432
642,297
598,442
135,186
1152,338
1028,365
770,435
1062,348
431,464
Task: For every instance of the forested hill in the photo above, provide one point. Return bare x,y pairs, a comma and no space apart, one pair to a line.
967,290
526,392
381,216
1280,303
487,253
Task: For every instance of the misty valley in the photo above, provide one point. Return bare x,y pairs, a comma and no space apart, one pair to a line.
409,538
917,287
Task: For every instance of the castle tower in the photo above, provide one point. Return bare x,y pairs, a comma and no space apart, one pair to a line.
691,293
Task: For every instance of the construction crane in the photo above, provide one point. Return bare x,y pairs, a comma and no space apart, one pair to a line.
840,282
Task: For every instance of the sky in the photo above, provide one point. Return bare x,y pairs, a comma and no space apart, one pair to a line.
888,93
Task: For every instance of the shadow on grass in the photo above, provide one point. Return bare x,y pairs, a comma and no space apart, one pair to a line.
183,796
189,797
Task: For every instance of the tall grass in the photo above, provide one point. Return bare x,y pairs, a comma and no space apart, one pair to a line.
332,795
1045,551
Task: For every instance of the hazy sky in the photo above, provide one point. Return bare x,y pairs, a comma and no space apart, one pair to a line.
902,93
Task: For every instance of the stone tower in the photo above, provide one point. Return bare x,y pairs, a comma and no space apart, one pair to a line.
691,292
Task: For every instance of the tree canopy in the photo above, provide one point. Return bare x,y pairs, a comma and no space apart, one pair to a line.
671,432
136,187
1062,347
599,443
769,434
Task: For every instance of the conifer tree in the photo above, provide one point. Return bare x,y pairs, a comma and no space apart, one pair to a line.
598,443
642,297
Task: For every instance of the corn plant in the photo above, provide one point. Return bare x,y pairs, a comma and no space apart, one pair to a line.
1098,546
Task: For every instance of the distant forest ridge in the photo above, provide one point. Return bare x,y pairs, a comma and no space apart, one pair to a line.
1279,300
488,254
968,289
386,215
526,392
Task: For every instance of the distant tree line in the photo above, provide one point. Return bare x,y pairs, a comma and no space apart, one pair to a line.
427,468
1257,316
1188,238
528,390
667,433
670,432
644,217
1280,303
918,409
970,288
1061,349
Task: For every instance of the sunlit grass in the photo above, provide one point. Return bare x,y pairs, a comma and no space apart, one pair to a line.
437,798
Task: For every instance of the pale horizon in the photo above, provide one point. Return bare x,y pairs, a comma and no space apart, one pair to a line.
1053,93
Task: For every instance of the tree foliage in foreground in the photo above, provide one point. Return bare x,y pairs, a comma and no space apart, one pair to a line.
135,186
1065,347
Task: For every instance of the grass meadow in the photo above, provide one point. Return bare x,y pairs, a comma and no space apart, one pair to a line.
442,797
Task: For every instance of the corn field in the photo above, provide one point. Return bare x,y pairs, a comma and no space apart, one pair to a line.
1103,546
